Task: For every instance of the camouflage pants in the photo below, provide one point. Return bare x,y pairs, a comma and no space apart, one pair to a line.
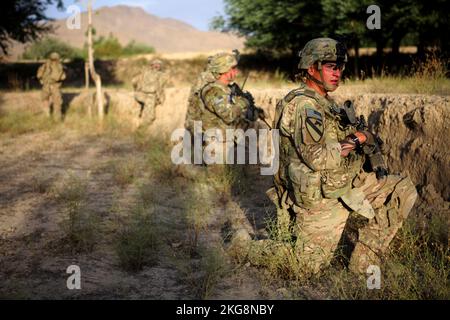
147,102
392,201
51,95
319,229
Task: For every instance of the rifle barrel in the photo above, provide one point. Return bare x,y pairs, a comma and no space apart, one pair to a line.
245,81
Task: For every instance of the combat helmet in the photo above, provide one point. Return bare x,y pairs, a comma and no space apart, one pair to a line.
54,56
156,62
319,50
222,62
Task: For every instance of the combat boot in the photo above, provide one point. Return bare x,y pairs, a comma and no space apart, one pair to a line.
363,257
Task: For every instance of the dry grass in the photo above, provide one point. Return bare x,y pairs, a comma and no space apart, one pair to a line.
429,77
72,189
157,158
198,208
276,256
205,274
41,182
81,227
80,224
138,240
124,171
393,85
15,123
264,79
417,267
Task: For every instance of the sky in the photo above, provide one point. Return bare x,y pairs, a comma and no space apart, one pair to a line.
197,13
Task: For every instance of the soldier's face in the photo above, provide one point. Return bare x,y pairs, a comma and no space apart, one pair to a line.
331,73
230,75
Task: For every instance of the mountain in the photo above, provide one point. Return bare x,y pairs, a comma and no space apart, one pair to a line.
166,35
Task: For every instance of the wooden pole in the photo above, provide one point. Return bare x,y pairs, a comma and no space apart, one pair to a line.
95,76
86,88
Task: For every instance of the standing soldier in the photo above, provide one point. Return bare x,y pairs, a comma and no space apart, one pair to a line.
149,90
50,75
321,177
217,101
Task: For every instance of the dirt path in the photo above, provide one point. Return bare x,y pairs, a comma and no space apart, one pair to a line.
33,257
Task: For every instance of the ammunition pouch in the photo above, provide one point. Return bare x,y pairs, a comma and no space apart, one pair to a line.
306,185
335,185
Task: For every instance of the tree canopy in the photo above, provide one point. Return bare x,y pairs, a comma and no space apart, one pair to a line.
289,24
23,20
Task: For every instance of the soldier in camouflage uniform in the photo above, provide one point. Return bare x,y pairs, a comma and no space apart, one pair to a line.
50,75
321,178
149,90
214,102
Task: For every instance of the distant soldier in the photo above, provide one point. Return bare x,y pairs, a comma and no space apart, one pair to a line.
149,90
50,75
216,100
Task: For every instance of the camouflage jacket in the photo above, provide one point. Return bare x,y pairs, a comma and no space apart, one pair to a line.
51,73
213,103
311,167
150,82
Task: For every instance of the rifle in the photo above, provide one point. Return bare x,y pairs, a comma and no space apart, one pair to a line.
253,112
372,147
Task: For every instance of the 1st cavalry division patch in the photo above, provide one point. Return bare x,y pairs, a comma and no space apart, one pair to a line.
314,124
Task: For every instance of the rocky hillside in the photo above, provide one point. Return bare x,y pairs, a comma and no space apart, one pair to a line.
131,23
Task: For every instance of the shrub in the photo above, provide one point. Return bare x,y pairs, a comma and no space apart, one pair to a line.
109,47
137,48
42,49
80,225
138,240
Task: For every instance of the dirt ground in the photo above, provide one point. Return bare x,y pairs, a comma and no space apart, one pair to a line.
33,258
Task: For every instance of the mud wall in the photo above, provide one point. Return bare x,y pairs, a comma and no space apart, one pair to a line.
415,128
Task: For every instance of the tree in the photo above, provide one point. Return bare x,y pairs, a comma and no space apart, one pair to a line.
95,76
23,20
109,47
289,24
272,25
432,26
398,19
342,20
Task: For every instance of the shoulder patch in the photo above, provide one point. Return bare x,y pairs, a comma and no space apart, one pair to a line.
311,113
314,124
